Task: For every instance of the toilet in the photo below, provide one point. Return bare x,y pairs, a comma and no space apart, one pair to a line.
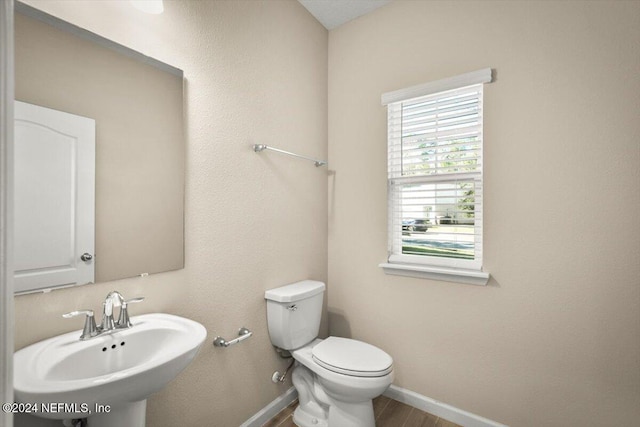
336,378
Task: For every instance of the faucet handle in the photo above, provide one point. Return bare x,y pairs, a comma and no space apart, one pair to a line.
78,313
90,329
123,319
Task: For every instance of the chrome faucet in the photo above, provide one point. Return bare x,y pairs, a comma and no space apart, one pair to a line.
113,299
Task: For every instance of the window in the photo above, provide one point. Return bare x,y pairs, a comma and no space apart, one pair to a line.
435,179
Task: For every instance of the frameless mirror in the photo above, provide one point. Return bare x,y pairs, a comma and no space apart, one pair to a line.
65,73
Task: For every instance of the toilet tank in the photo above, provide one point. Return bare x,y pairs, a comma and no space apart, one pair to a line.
294,312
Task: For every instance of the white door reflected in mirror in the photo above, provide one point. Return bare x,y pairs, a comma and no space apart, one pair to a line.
54,198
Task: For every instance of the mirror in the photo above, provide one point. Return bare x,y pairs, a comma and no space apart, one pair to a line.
136,103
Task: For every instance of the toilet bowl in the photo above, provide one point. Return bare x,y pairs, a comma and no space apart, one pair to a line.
336,378
343,393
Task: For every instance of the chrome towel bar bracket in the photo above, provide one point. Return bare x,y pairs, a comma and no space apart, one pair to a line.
261,147
243,334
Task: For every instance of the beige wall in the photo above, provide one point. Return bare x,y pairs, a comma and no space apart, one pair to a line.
554,339
139,221
256,72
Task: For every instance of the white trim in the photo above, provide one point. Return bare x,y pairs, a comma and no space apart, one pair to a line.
456,82
447,265
6,207
408,397
439,409
437,273
269,411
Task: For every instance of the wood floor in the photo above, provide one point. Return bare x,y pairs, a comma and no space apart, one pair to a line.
388,412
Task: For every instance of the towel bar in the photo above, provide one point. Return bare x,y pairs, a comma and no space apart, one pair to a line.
243,334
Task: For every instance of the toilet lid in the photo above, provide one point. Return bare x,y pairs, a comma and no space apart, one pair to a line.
352,357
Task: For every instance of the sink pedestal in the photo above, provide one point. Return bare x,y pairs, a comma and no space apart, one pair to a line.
124,414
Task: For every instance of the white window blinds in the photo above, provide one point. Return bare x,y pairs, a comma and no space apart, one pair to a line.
435,176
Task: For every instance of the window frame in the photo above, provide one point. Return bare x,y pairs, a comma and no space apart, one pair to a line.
424,266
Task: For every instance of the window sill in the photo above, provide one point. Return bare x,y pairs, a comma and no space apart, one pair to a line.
437,273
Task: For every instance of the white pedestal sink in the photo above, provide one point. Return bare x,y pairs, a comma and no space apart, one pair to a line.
106,379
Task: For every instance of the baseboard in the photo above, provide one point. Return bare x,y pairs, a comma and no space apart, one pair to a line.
269,411
439,409
400,394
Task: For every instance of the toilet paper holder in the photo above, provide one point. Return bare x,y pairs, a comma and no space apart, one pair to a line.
243,334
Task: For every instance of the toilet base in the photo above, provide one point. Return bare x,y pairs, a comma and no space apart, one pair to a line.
302,418
352,414
341,414
319,409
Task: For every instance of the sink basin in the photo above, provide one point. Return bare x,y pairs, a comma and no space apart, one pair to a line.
108,378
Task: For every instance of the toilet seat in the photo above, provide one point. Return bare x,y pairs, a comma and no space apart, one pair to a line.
352,357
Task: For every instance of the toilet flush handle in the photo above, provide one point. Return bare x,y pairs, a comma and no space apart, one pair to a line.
292,307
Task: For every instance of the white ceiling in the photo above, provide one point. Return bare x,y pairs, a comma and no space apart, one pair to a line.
333,13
